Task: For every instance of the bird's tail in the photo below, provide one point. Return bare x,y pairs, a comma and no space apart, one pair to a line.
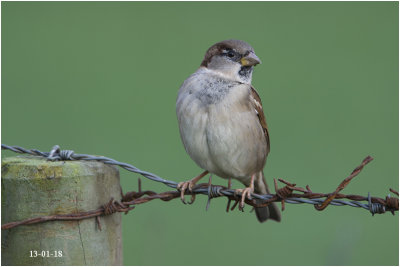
271,211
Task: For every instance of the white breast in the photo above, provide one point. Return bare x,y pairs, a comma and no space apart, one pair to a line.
219,128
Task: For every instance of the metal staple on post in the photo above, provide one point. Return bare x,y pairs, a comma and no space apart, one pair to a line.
284,195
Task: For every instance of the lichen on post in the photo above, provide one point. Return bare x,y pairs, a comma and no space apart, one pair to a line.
33,186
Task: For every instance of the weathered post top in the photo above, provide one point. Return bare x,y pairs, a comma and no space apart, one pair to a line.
33,186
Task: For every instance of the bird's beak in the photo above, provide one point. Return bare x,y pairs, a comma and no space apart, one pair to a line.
250,60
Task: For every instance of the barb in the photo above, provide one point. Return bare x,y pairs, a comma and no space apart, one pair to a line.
287,194
343,184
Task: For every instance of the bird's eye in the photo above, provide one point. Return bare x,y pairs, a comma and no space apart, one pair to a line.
230,54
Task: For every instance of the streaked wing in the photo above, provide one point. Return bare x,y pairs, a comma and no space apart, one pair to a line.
256,101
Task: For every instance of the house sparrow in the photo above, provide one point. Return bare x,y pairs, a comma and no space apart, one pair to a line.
222,123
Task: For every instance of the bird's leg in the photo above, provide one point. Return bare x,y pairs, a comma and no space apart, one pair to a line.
229,200
246,192
182,186
209,180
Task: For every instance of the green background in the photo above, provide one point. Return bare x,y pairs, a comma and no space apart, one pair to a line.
102,78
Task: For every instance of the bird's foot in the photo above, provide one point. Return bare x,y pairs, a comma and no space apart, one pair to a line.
245,192
182,186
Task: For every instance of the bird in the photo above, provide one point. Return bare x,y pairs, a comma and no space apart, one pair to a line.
222,123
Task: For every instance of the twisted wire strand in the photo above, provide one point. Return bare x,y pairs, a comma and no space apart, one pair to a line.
57,154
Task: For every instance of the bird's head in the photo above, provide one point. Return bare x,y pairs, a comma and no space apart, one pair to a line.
233,59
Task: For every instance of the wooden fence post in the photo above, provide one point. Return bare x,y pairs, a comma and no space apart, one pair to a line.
33,186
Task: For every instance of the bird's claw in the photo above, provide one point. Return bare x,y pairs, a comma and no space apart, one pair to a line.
246,192
182,186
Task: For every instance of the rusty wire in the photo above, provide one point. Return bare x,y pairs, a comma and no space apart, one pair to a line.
287,194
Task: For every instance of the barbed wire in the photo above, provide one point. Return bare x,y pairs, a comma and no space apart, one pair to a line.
287,194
